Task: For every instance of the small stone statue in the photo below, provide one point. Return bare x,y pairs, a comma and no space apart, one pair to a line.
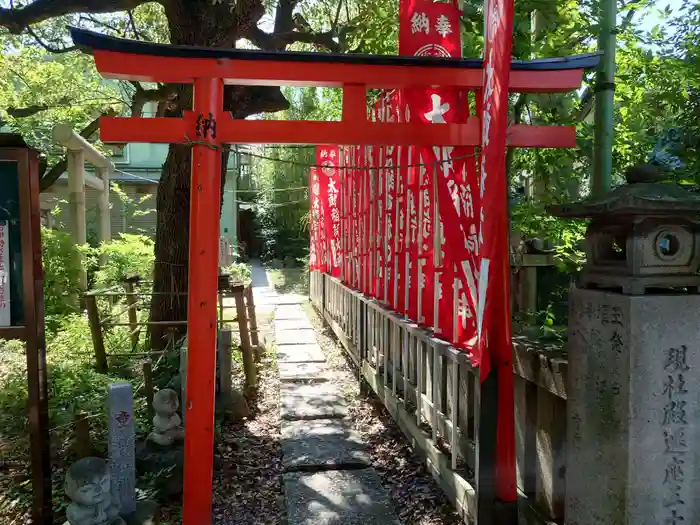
167,425
88,486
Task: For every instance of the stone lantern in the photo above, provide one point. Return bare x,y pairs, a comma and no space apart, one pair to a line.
642,236
633,399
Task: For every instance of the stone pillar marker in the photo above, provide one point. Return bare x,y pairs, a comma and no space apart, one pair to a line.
121,446
633,449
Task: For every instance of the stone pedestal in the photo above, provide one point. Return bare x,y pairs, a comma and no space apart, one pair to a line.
633,409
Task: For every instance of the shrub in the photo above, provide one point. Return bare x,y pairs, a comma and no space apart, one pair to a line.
120,258
62,268
239,271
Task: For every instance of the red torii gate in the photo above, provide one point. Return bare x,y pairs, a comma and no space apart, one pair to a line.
208,127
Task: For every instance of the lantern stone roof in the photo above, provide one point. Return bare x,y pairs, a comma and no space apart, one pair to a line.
646,193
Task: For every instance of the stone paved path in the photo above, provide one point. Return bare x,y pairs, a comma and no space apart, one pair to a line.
328,476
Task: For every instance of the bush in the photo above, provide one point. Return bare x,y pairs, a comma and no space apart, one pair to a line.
130,254
62,268
240,272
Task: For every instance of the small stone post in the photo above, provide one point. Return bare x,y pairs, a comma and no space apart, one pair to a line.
634,366
121,446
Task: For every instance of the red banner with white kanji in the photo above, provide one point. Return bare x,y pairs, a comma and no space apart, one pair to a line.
327,158
428,29
317,231
493,313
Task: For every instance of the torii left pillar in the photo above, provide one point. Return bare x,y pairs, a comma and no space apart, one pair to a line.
205,197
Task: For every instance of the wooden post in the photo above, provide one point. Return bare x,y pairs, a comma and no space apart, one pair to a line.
96,332
103,206
221,309
148,388
131,303
249,366
82,443
76,198
225,381
254,338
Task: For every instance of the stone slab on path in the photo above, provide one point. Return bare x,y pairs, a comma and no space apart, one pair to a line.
310,353
303,336
322,443
337,497
311,401
311,371
290,311
292,324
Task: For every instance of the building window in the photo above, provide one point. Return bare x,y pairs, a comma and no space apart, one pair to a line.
118,153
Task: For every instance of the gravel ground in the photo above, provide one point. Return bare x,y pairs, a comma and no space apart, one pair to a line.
248,488
416,497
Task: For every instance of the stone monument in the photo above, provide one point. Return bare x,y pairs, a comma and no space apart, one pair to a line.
167,425
88,485
121,445
634,367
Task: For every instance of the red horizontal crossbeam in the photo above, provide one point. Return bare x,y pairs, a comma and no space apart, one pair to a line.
175,130
176,70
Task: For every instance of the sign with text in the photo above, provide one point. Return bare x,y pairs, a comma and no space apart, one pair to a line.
5,317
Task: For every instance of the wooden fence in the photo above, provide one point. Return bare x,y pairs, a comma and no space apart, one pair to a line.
128,299
435,396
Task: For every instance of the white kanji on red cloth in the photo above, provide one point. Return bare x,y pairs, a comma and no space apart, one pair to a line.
443,26
420,23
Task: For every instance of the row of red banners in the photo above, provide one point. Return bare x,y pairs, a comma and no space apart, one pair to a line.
424,230
376,221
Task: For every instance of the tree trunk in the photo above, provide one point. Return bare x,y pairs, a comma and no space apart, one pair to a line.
195,23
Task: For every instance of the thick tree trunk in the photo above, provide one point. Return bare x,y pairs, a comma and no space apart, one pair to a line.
201,23
191,22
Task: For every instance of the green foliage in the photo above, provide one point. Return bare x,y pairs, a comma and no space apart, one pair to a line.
129,255
38,90
62,268
239,271
132,207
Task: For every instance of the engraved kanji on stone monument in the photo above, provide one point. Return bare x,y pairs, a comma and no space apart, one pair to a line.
121,446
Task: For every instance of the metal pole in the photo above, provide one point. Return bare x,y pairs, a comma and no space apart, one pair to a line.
604,99
234,213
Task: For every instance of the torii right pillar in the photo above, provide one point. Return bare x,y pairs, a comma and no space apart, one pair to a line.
633,424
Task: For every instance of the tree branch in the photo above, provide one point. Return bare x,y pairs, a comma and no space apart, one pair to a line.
29,111
49,48
278,41
16,20
142,96
243,101
284,16
51,176
132,22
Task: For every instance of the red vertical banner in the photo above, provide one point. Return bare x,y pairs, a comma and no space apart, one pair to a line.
402,237
365,200
327,157
379,178
314,205
431,29
493,313
392,205
352,220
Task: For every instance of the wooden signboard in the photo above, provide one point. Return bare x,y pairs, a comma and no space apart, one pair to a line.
22,299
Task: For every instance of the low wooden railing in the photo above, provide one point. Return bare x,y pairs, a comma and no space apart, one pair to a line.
435,396
131,301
